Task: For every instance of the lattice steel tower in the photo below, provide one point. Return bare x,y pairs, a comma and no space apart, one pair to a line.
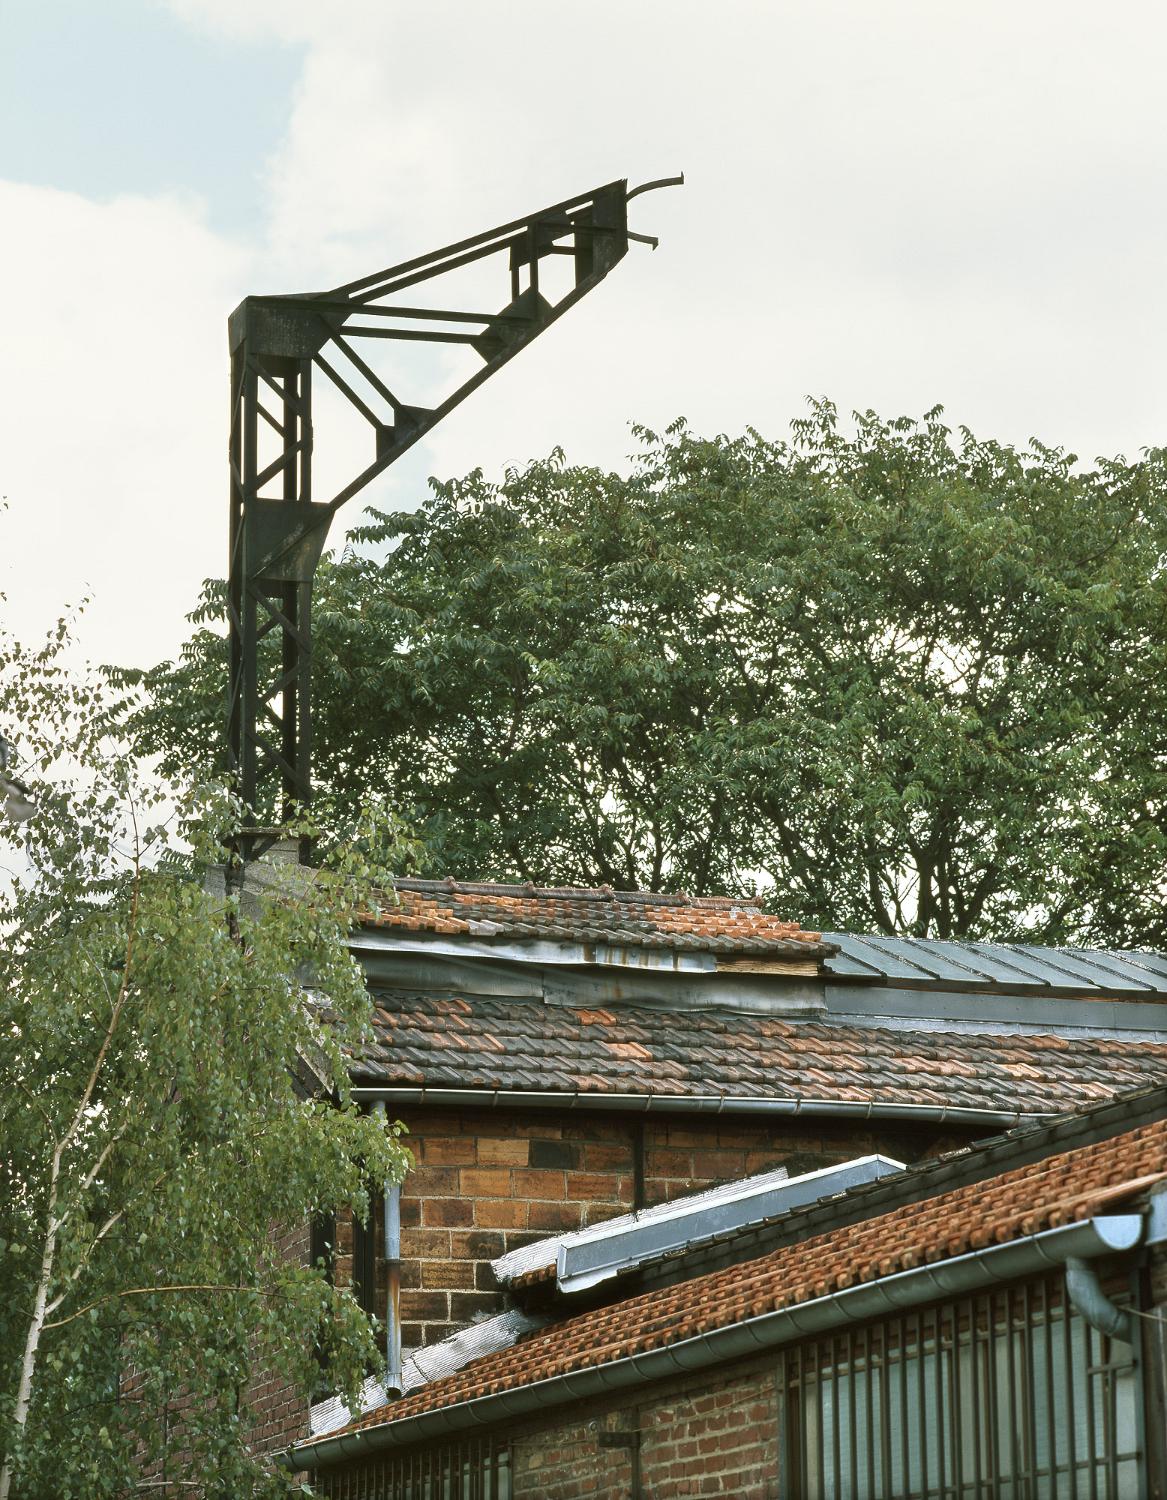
278,526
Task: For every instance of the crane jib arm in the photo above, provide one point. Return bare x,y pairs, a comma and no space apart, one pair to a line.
279,346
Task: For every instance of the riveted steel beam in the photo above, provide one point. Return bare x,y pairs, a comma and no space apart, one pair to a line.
278,526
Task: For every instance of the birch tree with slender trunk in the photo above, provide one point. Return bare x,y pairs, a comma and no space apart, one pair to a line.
171,1097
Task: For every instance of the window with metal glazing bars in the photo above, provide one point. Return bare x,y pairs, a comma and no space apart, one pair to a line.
1004,1396
478,1469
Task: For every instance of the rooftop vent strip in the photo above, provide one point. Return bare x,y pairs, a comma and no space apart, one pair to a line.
596,1255
587,1256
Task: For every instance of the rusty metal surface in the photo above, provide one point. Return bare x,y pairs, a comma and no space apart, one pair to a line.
278,526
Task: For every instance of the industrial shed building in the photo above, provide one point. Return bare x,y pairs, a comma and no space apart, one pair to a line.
567,1059
989,1323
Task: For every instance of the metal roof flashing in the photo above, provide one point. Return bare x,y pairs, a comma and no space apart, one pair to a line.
374,940
586,1257
885,983
569,973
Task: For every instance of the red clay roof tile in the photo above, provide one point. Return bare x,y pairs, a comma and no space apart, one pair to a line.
1022,1201
634,919
497,1044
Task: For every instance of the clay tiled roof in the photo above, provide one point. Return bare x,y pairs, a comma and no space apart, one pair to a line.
521,1045
631,919
1060,1189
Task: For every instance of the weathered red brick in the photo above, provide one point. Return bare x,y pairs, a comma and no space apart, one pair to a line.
456,1213
508,1213
453,1151
511,1151
485,1182
532,1183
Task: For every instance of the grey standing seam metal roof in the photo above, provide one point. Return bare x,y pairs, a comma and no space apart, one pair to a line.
926,963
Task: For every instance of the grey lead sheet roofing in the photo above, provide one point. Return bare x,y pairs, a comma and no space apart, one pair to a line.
1013,966
488,1044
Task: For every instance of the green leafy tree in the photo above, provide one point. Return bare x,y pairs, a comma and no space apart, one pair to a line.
170,1099
898,679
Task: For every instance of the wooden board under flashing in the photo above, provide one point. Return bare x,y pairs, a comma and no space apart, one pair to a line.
798,968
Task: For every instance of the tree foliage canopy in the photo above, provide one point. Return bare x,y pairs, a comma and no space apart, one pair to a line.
164,1107
900,680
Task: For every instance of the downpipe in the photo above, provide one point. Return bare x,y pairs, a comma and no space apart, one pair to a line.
391,1196
1085,1293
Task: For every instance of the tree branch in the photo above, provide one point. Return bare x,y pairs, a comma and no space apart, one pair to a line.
147,1291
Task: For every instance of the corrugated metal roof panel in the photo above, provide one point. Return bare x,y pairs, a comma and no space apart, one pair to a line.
919,961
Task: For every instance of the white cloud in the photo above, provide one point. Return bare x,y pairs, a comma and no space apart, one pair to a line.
895,204
113,400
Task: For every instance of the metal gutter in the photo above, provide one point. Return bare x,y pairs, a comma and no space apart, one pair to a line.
1084,1289
1027,1256
700,1104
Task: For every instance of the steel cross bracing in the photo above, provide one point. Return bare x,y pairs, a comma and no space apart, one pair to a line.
278,526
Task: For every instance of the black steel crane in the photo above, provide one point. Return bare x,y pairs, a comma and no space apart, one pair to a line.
278,526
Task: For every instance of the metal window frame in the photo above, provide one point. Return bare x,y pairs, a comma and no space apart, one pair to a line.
994,1335
364,1273
476,1468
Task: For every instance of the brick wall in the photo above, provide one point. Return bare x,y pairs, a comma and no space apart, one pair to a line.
570,1463
703,1437
721,1440
279,1409
488,1181
708,1436
687,1154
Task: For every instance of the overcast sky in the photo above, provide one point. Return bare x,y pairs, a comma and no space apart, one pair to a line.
892,203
